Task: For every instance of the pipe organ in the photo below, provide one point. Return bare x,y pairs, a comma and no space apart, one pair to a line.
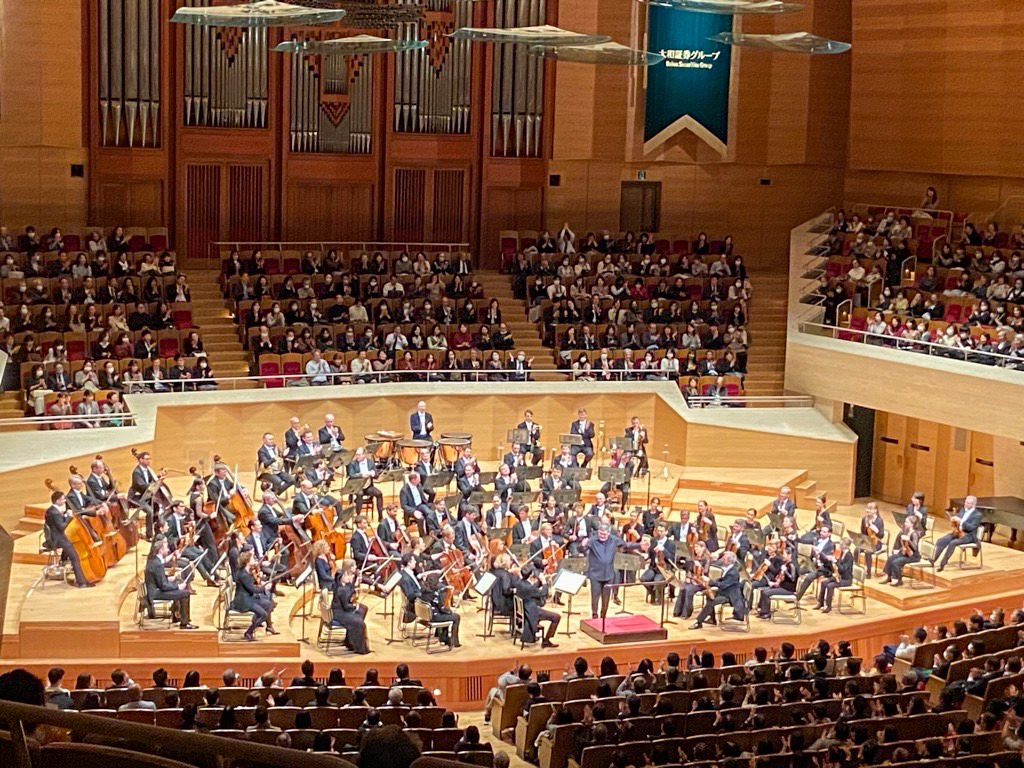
517,84
129,72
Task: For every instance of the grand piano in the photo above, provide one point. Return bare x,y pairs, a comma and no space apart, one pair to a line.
997,510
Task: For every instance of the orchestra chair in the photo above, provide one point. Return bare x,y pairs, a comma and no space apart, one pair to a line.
149,609
792,614
495,618
230,620
327,635
425,620
735,626
54,570
975,549
518,621
855,591
62,754
915,571
529,728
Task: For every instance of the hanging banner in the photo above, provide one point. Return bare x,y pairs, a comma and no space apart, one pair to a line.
690,90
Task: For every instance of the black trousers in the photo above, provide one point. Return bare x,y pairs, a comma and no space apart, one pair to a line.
68,554
599,595
370,492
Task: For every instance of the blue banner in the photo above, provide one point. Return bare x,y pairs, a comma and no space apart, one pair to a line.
691,88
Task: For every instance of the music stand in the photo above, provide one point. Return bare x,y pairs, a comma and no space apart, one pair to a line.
629,562
613,475
440,480
861,542
566,495
338,458
486,478
483,588
353,486
529,473
625,443
478,498
520,436
497,533
568,582
451,500
301,582
306,462
570,438
576,474
526,497
388,588
345,517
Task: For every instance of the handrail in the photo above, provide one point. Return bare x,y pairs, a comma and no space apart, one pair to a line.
127,418
959,354
929,211
364,245
15,715
785,401
991,216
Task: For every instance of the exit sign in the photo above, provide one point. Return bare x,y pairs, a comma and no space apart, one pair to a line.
641,175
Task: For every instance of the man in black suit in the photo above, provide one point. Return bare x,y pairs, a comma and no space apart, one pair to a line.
968,519
737,541
59,380
555,482
507,483
728,590
250,598
175,530
496,514
55,520
782,583
421,423
413,499
389,530
467,536
784,504
468,482
410,586
659,543
459,468
585,429
142,478
532,446
359,544
600,550
425,467
515,457
304,502
402,677
330,434
637,432
524,530
272,464
435,519
259,542
565,459
533,593
218,490
159,587
821,555
292,438
364,467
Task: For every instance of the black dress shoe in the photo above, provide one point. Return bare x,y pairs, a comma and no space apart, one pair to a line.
188,626
545,643
696,625
249,637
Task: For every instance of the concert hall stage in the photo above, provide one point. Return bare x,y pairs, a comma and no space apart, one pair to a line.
733,460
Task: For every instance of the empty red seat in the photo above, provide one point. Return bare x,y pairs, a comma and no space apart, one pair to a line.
270,365
509,245
137,243
182,318
291,265
662,246
75,347
952,313
72,243
681,246
158,243
168,346
833,269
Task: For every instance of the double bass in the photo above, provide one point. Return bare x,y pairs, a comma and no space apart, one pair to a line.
207,510
83,539
114,544
129,531
320,524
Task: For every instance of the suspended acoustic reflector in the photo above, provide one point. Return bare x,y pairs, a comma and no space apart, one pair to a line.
598,53
545,35
793,42
349,45
263,13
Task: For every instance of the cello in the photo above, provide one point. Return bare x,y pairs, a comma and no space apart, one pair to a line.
81,536
238,502
456,572
205,510
320,524
129,532
114,545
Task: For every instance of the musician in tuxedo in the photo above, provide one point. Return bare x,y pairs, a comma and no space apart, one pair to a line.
421,423
556,482
737,541
507,483
565,458
821,555
272,464
346,611
468,482
272,520
532,446
308,445
620,459
413,499
677,531
55,520
505,576
842,575
389,531
871,525
175,529
465,458
218,490
968,520
781,581
261,544
699,556
359,544
142,477
905,550
434,590
524,530
97,485
409,583
654,512
515,457
728,589
435,519
821,518
784,504
637,432
659,545
467,537
83,504
600,506
600,549
425,467
159,587
545,538
292,438
533,591
330,434
362,466
496,515
585,429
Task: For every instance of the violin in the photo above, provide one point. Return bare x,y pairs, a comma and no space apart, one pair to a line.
906,546
552,556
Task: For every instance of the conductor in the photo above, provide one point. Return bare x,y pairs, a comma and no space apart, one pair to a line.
600,569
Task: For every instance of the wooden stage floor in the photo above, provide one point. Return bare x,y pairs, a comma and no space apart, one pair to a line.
94,629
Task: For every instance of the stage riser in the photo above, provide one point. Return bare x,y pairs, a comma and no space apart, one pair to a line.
55,640
162,643
264,648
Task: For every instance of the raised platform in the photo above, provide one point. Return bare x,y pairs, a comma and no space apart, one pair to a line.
623,629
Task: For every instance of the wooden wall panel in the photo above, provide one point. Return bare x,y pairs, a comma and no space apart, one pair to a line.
246,203
410,194
139,202
448,206
202,207
331,210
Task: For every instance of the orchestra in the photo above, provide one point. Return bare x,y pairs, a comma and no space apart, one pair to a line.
441,540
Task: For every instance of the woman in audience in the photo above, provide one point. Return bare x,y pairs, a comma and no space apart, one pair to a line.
437,339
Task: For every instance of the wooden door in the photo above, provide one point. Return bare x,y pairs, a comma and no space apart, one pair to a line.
920,454
981,480
224,201
889,459
640,206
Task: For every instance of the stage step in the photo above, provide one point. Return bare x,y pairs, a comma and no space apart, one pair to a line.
264,647
765,482
722,503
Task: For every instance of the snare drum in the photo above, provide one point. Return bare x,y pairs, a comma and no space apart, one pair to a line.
451,448
409,450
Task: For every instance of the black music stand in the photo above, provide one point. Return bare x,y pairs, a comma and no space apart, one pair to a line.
439,480
628,562
569,581
518,436
566,496
614,475
487,478
479,498
388,588
576,474
525,497
483,588
625,443
533,472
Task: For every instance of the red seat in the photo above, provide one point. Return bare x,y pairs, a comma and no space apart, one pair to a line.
158,243
72,242
662,246
952,313
137,243
509,245
182,319
833,269
291,265
717,246
270,365
168,346
75,349
695,292
273,267
681,246
732,389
